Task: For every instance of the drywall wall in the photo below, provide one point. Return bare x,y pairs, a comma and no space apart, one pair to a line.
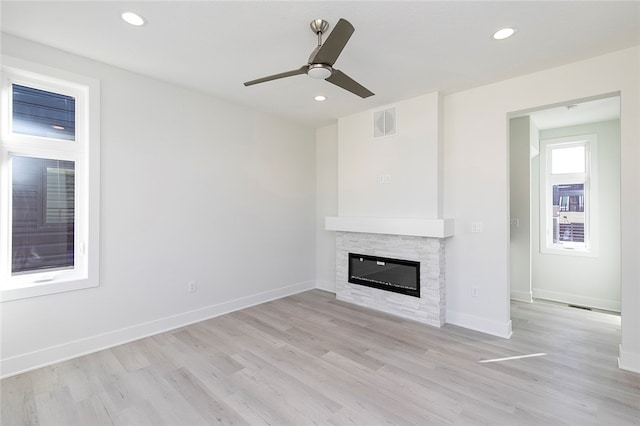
193,189
520,208
588,281
476,187
326,205
408,159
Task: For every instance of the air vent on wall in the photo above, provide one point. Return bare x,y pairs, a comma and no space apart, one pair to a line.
384,123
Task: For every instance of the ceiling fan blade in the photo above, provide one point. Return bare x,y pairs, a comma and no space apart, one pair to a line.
333,45
301,70
340,79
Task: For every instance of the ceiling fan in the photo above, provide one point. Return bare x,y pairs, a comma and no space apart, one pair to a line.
323,57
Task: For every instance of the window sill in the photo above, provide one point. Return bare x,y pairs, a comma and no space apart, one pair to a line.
45,288
566,251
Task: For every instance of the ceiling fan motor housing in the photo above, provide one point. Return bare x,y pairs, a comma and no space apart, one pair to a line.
319,71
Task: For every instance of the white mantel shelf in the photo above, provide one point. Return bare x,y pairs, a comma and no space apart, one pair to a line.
434,228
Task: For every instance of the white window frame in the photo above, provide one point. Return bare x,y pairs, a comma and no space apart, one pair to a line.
590,181
84,151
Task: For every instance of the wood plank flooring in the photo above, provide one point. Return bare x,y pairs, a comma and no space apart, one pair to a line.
311,360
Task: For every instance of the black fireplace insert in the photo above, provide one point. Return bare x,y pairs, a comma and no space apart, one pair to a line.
397,275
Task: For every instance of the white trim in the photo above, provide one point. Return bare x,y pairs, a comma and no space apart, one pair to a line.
629,361
326,285
522,296
574,299
483,325
58,353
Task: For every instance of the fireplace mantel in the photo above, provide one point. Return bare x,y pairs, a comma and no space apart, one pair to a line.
417,227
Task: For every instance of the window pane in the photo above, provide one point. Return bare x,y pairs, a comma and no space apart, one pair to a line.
40,113
568,160
43,194
568,213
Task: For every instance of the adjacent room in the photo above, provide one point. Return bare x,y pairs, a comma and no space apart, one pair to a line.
239,212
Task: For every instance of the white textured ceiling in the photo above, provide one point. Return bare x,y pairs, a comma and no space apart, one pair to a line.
399,49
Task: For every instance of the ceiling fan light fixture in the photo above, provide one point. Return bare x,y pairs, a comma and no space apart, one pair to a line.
319,71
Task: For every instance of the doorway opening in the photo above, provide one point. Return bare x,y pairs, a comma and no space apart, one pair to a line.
564,163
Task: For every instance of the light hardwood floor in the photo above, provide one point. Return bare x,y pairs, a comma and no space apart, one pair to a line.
309,359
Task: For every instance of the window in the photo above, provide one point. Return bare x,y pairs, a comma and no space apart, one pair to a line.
568,191
49,169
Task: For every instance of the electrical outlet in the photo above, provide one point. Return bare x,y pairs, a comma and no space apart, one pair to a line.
191,286
474,291
476,226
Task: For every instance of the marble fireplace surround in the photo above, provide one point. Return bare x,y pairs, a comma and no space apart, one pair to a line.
421,240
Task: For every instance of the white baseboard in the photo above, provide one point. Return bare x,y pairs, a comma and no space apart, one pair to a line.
591,302
629,361
325,285
522,296
484,325
47,356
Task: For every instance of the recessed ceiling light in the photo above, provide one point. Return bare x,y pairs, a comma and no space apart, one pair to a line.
320,98
133,19
504,33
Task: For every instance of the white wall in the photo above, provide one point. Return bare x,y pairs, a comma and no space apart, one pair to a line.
520,208
411,158
476,187
326,205
588,281
193,188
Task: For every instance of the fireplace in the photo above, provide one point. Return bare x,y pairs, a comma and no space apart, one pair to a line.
426,304
397,275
